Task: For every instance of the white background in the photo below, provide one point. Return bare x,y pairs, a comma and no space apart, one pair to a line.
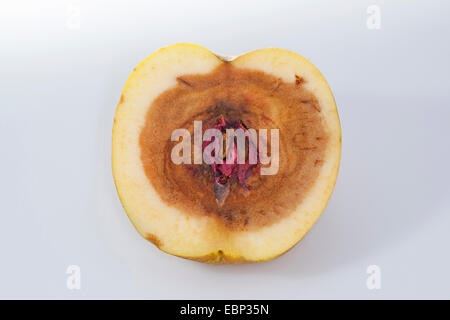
59,87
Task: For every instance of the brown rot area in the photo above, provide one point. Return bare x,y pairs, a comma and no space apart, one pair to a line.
153,239
237,196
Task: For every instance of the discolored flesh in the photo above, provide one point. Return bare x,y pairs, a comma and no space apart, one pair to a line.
262,102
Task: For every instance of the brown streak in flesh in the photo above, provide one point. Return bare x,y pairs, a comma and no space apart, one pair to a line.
299,80
184,82
313,104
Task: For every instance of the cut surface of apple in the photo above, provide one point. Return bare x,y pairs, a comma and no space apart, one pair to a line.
225,213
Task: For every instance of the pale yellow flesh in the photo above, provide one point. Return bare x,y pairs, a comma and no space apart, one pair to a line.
195,237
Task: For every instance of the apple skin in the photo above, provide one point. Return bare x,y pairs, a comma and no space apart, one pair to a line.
214,258
272,60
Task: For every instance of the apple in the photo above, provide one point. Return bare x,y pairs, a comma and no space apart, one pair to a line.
225,212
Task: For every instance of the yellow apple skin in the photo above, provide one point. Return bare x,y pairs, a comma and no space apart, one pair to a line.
196,239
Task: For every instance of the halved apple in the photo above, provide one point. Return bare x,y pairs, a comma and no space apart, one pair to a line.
187,209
